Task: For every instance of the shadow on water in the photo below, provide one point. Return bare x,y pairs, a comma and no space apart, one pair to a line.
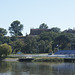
29,68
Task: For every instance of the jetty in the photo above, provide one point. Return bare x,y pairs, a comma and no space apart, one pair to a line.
26,59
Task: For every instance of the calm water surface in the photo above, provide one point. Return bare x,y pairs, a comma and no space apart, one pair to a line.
29,68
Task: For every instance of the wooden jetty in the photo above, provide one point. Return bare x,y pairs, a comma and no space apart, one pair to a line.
28,59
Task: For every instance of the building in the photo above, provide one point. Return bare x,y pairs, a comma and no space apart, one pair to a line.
38,31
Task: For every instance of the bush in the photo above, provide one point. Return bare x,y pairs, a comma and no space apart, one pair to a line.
5,50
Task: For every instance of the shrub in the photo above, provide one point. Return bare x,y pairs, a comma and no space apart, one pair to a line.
5,50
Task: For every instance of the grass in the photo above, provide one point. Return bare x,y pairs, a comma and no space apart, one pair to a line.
49,59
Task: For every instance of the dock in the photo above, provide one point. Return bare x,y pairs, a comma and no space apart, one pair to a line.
28,59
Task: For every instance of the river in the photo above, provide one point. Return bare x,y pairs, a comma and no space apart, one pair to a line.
34,68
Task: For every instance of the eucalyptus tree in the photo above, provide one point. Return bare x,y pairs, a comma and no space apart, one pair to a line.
43,26
15,28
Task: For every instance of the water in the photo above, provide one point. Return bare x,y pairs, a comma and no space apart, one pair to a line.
29,68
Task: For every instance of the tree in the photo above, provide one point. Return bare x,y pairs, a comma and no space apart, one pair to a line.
49,47
55,29
62,41
41,46
5,50
3,31
48,36
30,44
43,26
1,38
13,38
17,46
4,39
16,28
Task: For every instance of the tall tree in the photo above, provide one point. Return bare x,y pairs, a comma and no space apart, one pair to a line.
16,28
43,26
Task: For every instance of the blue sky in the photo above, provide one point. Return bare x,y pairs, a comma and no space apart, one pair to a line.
32,13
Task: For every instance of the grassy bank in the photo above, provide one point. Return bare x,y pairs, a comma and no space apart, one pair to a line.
48,59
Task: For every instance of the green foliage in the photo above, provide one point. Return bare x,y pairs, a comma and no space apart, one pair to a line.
13,38
48,36
43,26
41,46
55,29
30,44
4,39
46,42
1,38
16,28
63,41
43,43
5,50
3,31
17,46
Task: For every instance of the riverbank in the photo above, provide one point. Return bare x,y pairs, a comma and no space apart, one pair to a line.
36,59
48,59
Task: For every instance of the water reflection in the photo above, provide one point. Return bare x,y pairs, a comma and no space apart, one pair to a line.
64,68
28,68
4,67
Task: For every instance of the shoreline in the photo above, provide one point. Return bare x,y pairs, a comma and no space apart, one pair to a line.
39,59
10,59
